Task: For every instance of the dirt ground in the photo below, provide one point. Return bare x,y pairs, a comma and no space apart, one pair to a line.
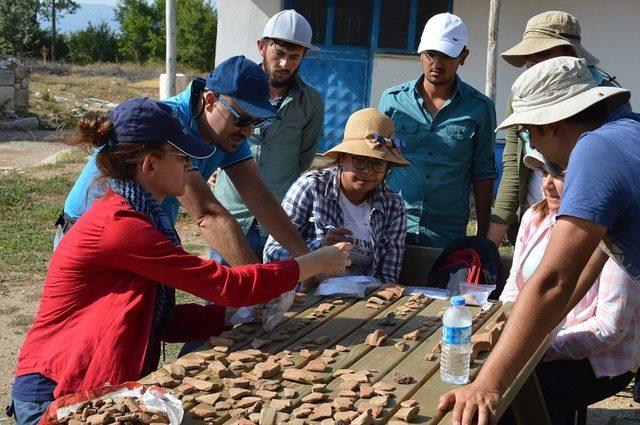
19,301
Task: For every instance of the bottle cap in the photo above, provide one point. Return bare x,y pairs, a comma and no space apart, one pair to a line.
457,301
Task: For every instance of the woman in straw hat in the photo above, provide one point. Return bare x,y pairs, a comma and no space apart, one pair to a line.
595,349
349,200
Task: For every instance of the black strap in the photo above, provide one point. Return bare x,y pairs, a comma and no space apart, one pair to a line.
65,221
197,87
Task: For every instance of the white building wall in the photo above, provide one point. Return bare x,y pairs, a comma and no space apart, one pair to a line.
240,24
390,70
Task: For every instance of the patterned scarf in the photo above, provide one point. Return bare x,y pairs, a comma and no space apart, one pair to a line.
164,306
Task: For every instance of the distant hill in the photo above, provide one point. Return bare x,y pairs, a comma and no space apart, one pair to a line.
86,13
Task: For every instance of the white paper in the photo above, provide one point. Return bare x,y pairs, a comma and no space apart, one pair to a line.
437,293
352,286
159,400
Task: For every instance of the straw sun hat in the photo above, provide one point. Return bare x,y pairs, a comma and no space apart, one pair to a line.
546,31
557,89
370,133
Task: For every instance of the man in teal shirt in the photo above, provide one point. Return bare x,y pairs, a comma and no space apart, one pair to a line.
284,148
448,128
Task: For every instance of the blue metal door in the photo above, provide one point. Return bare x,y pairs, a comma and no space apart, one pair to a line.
342,77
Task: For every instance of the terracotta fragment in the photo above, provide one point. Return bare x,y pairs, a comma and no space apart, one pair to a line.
376,300
266,394
408,403
401,346
217,369
236,382
267,384
412,336
237,366
286,362
398,290
100,419
199,384
301,412
240,356
347,394
322,411
365,418
319,388
302,376
175,370
349,385
385,294
250,376
223,405
357,377
383,386
341,348
289,393
478,347
342,404
346,416
372,305
327,421
403,379
381,400
366,391
376,338
245,402
430,357
266,369
341,372
316,366
238,393
189,364
203,411
315,398
437,348
407,413
221,348
279,405
210,399
305,353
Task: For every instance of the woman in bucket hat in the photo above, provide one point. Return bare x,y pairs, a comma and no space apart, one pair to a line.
547,35
568,119
349,200
109,295
595,349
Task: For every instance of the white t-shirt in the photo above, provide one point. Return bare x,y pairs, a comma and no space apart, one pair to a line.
357,218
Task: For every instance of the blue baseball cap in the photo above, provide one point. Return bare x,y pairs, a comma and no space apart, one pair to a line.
143,120
244,81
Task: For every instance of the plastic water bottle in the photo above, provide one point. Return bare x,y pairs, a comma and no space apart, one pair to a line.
456,343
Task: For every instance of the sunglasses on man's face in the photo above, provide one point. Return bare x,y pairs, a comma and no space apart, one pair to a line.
524,135
241,121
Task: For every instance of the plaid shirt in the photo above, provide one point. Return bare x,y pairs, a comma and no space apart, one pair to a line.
312,204
604,326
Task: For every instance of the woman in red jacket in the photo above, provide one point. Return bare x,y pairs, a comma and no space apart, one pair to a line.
109,295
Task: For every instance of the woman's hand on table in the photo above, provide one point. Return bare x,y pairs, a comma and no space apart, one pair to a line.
471,404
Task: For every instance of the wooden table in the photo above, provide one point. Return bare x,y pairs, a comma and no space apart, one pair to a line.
349,323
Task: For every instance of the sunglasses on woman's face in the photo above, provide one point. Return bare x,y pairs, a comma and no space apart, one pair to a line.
241,121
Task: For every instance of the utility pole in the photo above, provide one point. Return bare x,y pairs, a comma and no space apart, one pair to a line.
53,30
492,49
170,12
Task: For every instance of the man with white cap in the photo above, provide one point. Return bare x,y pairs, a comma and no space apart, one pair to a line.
447,127
283,148
547,35
560,107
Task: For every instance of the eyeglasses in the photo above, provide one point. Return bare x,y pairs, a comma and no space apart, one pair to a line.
433,54
241,121
361,163
524,135
186,158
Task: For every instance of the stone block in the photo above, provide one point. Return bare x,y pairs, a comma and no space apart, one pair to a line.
7,96
25,83
21,71
6,78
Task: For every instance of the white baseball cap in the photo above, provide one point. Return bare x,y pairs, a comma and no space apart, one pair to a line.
289,26
445,33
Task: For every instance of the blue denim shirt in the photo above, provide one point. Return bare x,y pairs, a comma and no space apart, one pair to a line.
448,152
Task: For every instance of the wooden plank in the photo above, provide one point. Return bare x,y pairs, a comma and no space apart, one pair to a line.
358,349
386,360
428,387
337,329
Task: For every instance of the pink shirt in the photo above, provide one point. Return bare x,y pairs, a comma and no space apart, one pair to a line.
604,326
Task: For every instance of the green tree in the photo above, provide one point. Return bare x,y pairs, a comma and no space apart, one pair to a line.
52,11
19,34
138,26
94,43
196,28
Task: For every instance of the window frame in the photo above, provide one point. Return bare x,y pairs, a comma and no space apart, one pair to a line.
409,49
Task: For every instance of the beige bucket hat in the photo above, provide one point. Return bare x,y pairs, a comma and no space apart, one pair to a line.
557,89
370,133
546,31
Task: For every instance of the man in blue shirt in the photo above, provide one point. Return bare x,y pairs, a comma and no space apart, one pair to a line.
223,111
559,107
448,128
